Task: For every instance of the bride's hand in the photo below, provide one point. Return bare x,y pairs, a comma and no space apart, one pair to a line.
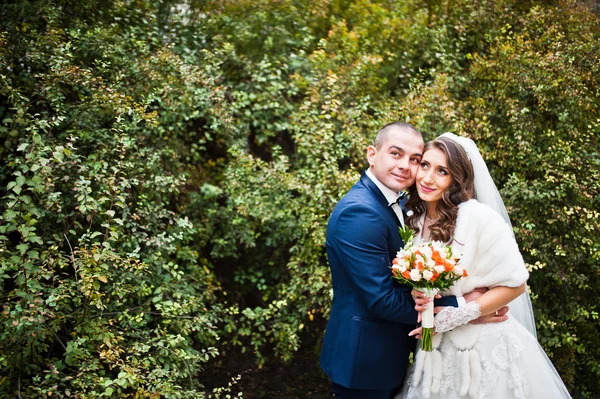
417,332
421,308
421,302
416,294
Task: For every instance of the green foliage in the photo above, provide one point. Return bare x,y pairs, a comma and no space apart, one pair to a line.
168,170
102,293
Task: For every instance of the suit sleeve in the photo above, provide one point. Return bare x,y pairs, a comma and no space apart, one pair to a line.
449,300
361,243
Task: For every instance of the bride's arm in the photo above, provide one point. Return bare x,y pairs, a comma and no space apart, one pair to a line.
491,301
498,297
450,318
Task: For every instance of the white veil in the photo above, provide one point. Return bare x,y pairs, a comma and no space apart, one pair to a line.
487,193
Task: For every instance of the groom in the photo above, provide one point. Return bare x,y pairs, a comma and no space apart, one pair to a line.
366,345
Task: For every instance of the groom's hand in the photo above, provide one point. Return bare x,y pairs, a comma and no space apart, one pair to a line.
496,317
476,293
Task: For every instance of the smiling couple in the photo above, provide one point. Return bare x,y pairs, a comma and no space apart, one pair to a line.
480,349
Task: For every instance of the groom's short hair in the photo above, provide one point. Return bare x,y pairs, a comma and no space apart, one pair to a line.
383,132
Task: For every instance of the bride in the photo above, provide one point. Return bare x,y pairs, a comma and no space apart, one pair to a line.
495,360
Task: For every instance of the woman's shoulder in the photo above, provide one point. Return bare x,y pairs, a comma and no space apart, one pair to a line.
474,208
473,205
474,212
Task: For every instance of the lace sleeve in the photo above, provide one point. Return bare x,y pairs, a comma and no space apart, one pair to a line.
450,318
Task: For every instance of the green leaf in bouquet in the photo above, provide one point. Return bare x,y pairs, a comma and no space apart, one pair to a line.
407,234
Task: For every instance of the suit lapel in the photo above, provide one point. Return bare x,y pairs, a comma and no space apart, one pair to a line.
376,192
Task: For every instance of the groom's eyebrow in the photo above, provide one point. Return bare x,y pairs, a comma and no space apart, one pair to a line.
416,154
395,147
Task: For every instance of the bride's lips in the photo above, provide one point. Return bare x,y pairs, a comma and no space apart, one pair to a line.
426,189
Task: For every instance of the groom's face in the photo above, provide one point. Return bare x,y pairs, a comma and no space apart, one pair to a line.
396,161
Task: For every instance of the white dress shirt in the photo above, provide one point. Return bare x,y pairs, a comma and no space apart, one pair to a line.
390,196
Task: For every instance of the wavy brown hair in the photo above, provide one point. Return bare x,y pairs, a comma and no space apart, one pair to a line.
460,190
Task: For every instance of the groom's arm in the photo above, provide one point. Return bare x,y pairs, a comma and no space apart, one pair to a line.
447,301
360,243
450,300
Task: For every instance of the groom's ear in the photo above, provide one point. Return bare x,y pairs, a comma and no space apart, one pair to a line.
371,152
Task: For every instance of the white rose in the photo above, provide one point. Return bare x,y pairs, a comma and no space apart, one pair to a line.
427,275
415,275
438,245
426,251
440,269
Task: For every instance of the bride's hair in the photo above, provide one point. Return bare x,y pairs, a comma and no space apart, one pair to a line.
460,190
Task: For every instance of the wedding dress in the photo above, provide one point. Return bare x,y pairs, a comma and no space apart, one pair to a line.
494,360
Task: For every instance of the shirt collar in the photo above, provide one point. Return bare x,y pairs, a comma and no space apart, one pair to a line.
390,195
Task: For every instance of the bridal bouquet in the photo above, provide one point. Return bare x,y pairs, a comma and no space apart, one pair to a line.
429,267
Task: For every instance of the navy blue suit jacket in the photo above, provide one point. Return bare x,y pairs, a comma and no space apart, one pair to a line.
366,343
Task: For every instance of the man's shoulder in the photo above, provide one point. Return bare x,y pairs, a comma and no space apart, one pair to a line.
359,202
358,195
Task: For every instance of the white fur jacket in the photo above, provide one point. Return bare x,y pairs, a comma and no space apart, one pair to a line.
490,253
492,258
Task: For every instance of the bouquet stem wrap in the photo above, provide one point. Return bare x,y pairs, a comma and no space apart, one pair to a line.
427,317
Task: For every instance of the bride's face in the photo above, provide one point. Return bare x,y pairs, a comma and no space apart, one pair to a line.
433,176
